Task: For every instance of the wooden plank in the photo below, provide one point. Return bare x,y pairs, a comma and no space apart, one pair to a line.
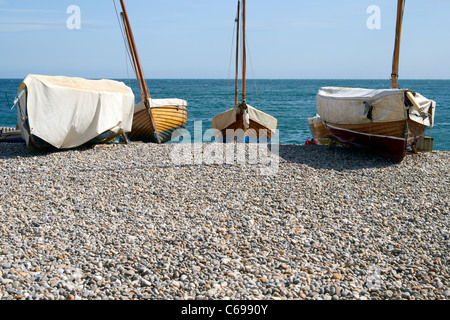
170,117
171,123
394,129
166,120
416,129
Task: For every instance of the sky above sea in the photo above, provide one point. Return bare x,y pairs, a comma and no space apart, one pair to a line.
180,39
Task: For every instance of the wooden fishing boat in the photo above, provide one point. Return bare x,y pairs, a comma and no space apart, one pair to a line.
155,120
56,112
319,132
243,122
388,122
10,135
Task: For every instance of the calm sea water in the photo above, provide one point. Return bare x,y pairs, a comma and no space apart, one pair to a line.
292,102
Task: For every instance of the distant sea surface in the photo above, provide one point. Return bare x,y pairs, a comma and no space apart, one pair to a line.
292,102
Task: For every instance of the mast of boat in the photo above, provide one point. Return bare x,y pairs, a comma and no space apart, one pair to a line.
137,64
236,90
244,51
398,33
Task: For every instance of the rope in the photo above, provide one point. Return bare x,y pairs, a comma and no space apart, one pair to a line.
127,51
231,60
7,100
253,74
128,71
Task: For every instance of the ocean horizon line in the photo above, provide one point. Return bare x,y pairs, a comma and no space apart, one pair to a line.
264,79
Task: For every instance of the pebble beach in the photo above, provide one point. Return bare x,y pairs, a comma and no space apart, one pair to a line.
123,222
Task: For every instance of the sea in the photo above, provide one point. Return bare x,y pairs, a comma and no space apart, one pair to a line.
292,102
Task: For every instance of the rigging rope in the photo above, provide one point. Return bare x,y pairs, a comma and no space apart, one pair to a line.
253,74
251,63
231,59
127,49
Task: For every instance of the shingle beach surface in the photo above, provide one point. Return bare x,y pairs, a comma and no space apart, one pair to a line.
127,222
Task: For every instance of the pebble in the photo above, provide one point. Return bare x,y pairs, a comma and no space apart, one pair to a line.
337,276
123,222
406,295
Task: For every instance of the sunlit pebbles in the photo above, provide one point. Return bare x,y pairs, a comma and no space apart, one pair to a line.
124,222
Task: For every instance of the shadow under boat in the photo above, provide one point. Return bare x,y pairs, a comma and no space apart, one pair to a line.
332,157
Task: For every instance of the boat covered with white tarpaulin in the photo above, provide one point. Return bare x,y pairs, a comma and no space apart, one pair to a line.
65,113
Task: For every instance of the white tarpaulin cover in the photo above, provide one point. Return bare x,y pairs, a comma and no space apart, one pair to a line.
351,106
224,120
68,112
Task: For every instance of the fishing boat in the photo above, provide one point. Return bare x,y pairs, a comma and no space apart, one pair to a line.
56,112
155,120
10,135
243,122
319,132
389,122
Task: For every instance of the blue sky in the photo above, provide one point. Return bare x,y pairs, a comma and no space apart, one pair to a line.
288,39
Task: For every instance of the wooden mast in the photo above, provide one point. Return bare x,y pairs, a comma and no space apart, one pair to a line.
244,51
398,33
236,90
137,64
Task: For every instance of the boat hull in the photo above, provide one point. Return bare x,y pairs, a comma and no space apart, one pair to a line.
11,135
390,140
254,130
244,124
319,132
169,121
